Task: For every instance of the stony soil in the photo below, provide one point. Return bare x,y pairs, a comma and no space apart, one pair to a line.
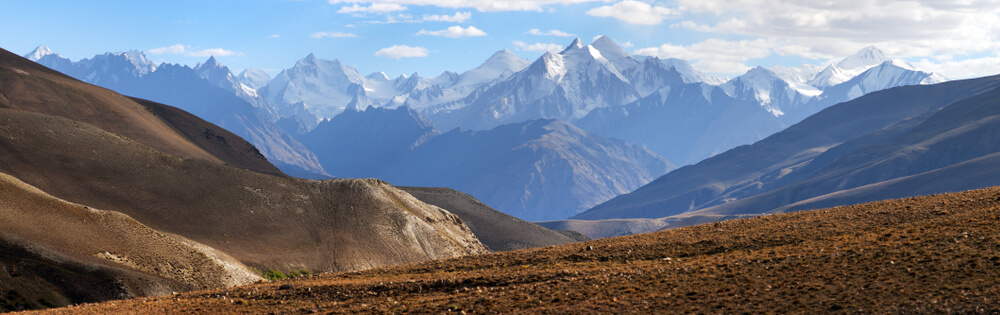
917,255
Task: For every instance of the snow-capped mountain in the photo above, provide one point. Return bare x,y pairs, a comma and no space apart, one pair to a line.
130,73
769,90
38,53
670,118
254,78
801,74
848,68
499,66
536,170
564,86
218,74
326,87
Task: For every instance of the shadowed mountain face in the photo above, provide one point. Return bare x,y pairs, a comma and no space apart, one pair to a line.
536,170
894,143
359,144
179,175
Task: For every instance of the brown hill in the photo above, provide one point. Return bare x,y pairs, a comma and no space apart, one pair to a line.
103,254
266,221
497,230
28,86
934,254
182,176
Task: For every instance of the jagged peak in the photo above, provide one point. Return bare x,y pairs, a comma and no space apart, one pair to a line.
38,53
576,44
869,56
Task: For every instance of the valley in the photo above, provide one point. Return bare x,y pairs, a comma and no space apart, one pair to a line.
548,178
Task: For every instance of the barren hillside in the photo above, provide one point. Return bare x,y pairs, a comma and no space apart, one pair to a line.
934,254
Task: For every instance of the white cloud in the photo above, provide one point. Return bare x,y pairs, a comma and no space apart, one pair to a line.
458,17
559,33
218,52
634,12
537,47
834,29
373,8
179,49
715,55
963,69
169,50
331,35
480,5
455,32
274,36
401,51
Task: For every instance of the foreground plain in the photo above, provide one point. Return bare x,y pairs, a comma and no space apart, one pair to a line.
937,253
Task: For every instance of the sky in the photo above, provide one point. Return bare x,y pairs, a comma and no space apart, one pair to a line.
955,38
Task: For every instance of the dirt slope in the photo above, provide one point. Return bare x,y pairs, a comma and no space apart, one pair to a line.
265,221
497,230
106,245
934,254
26,85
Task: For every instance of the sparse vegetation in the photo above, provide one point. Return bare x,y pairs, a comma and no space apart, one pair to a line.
897,256
275,275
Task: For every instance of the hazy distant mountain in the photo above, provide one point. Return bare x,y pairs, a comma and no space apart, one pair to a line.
132,74
366,143
564,86
254,78
326,87
848,67
443,97
536,170
686,124
218,74
886,144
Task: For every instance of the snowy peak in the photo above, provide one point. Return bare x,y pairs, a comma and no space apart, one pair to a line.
38,53
576,44
254,78
138,58
849,67
377,76
865,58
211,63
611,51
801,74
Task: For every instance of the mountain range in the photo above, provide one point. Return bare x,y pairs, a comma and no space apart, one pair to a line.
899,142
308,121
208,91
106,197
535,170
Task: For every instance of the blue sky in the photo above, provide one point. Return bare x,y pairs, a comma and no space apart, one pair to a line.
955,38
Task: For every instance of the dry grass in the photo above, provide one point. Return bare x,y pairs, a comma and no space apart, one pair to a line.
918,255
